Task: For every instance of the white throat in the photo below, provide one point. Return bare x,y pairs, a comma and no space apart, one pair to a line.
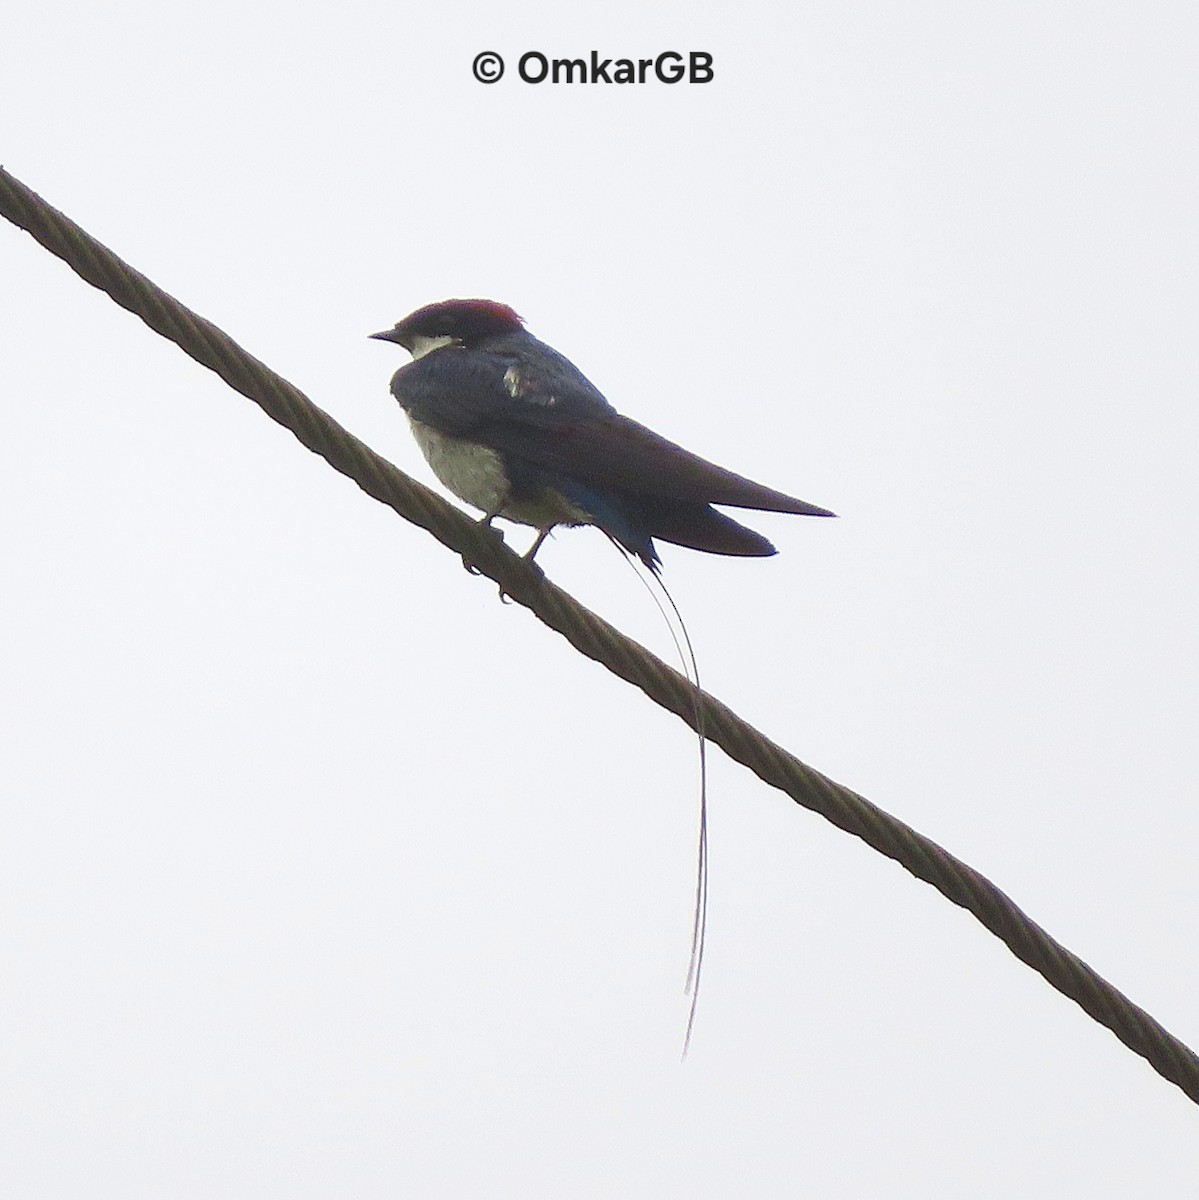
422,345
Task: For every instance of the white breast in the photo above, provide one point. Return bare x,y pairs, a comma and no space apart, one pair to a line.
472,472
476,474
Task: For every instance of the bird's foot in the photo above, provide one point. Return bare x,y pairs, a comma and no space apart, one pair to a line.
485,523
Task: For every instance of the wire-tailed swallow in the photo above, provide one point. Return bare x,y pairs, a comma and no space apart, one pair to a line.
515,429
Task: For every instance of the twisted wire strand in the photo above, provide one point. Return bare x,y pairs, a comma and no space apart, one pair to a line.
595,638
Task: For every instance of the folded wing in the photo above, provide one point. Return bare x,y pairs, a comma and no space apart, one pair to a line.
559,423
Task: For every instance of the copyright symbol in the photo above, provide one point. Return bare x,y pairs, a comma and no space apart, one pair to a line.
488,67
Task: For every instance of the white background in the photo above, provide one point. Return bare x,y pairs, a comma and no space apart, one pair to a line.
323,873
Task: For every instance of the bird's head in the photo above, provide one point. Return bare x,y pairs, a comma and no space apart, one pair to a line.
451,323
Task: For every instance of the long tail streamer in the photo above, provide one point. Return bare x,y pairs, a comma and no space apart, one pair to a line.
686,652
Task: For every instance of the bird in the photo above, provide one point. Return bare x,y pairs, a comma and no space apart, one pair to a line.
515,429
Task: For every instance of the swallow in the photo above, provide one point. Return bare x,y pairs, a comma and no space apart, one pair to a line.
516,430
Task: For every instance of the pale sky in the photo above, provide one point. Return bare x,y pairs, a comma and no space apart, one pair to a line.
324,873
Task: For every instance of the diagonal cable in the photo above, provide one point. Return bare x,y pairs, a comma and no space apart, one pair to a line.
593,636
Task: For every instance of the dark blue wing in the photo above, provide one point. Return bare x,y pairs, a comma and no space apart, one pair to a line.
539,408
472,393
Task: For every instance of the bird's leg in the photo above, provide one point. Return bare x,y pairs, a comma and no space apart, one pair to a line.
485,520
531,552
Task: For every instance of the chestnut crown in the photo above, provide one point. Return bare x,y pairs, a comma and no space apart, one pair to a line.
462,321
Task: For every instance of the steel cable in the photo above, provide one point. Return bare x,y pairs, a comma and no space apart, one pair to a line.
594,637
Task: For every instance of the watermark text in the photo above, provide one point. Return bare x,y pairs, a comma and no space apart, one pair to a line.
670,66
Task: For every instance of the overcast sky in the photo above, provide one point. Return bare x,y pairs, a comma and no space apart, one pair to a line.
324,873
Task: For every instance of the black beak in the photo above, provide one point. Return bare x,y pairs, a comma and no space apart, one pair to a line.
389,335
